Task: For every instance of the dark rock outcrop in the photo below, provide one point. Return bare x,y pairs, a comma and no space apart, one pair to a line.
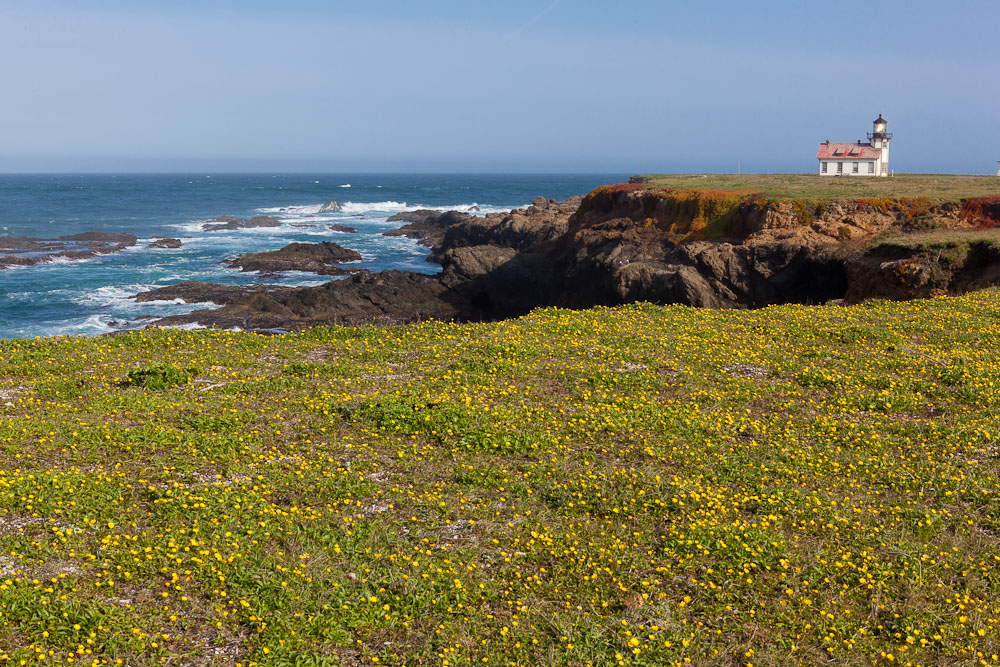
624,244
166,243
924,267
389,297
320,258
331,207
26,251
8,243
468,262
102,238
520,229
544,220
228,222
426,226
193,291
7,261
343,228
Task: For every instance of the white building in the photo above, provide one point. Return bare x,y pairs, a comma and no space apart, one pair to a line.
857,159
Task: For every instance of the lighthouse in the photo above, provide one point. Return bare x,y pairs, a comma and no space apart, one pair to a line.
880,139
857,159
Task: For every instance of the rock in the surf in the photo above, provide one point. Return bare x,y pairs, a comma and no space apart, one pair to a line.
166,243
228,222
320,258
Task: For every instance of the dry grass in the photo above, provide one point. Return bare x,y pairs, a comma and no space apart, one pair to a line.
943,237
938,187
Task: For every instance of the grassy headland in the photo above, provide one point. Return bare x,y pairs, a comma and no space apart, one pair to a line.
641,485
936,187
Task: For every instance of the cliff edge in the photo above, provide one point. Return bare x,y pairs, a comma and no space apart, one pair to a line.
632,242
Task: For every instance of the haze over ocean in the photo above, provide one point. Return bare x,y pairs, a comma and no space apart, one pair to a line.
91,296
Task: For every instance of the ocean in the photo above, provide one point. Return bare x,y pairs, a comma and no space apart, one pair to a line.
91,296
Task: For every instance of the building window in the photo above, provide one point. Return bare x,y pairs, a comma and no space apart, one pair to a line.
823,168
854,168
840,167
871,167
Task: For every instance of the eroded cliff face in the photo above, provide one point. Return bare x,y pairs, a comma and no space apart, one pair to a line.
924,268
622,244
734,249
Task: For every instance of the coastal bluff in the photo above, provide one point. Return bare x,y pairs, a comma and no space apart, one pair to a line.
643,241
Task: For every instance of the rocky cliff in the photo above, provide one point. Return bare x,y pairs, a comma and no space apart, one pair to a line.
623,243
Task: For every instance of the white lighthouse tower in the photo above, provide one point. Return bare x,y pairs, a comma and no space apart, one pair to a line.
880,139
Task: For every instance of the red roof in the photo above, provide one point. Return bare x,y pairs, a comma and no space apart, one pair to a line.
832,151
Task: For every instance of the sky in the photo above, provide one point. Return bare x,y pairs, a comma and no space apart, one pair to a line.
637,86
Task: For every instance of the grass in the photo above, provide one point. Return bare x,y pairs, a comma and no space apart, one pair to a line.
937,187
633,486
940,237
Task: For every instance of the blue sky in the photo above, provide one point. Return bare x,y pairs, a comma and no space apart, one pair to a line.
521,85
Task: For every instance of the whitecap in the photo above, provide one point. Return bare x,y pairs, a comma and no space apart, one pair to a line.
379,206
177,302
308,209
190,326
348,207
62,260
190,226
111,295
92,324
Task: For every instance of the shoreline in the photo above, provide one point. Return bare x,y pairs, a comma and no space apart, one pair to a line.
618,244
62,298
629,242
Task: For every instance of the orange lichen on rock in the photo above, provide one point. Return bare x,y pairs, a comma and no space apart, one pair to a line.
982,211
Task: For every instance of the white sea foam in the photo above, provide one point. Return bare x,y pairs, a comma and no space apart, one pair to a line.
190,326
190,226
321,230
118,298
178,302
91,324
348,207
58,262
58,259
345,185
111,295
376,208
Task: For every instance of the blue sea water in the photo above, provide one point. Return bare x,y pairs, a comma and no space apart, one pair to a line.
91,296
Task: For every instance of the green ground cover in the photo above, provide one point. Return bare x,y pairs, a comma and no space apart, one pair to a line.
633,486
937,187
940,237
